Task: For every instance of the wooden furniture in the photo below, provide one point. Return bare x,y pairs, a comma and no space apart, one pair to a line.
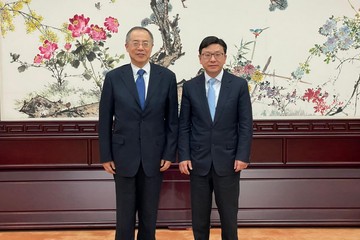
303,173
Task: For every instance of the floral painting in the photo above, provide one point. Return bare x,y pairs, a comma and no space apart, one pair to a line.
300,61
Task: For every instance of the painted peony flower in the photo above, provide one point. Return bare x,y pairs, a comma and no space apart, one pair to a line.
38,59
97,33
79,26
48,49
67,46
111,24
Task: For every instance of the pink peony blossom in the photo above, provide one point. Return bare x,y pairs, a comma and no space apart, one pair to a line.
78,25
67,46
111,24
38,59
48,49
249,69
97,33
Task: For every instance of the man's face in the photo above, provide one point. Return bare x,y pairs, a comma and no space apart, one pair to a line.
139,47
213,58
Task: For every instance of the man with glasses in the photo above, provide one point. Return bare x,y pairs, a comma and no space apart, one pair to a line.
215,135
138,129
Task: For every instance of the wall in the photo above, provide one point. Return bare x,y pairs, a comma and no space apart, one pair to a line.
303,173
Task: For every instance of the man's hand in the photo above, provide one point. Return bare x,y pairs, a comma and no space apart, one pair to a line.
185,166
109,167
240,165
164,165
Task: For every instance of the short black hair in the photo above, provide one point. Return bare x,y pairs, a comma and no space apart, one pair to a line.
212,40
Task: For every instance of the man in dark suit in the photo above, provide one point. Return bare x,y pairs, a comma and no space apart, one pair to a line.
215,135
138,129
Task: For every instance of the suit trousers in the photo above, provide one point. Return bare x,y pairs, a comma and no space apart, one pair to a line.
226,191
139,194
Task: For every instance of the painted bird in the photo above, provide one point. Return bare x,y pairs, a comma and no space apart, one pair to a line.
257,31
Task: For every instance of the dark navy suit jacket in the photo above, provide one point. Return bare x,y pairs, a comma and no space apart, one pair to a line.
223,141
128,134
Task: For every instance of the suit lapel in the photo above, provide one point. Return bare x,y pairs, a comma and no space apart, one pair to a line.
225,90
129,82
201,90
154,82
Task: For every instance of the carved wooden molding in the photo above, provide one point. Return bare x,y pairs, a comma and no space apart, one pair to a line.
261,127
88,128
306,126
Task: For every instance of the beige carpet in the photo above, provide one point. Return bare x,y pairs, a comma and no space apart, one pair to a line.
164,234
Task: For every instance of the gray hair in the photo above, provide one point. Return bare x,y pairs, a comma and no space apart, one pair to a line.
138,28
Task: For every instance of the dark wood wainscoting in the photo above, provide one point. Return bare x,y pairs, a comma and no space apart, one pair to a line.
303,173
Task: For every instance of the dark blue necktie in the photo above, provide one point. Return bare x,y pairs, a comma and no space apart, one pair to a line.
140,85
211,97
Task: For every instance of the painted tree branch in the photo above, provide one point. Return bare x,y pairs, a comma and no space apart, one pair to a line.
169,30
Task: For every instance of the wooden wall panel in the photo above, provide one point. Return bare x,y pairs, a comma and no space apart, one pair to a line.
57,196
43,151
85,198
325,149
267,150
287,193
95,154
303,172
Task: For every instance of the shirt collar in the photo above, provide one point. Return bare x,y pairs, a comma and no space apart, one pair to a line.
218,77
136,69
